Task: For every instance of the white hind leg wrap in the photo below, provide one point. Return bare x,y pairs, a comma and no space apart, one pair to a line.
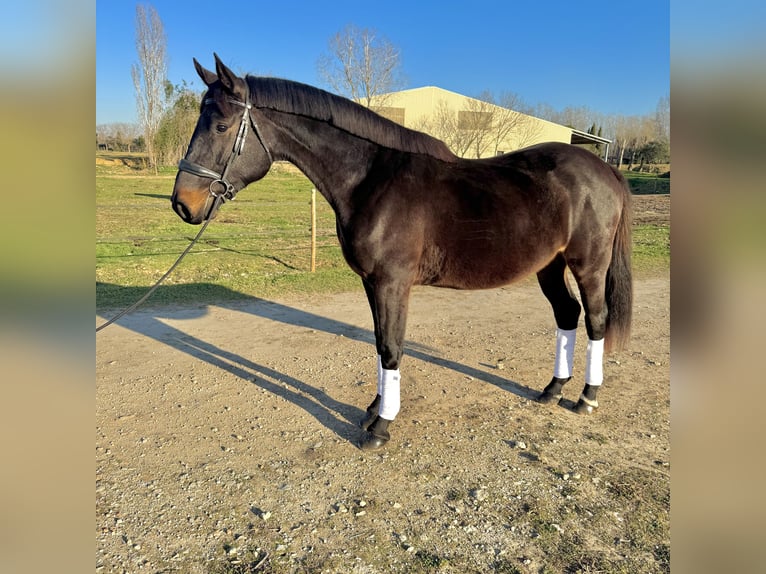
565,346
389,394
594,363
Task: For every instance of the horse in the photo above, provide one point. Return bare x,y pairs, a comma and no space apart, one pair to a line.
410,212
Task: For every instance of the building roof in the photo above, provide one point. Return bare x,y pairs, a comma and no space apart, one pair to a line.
581,137
578,136
422,102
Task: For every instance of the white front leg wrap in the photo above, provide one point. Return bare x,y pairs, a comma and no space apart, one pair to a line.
380,375
594,363
565,346
389,390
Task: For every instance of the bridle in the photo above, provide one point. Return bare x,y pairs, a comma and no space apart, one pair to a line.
220,188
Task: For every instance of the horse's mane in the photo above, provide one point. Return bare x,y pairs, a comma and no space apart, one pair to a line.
305,100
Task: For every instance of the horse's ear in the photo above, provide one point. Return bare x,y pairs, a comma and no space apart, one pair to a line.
207,76
229,79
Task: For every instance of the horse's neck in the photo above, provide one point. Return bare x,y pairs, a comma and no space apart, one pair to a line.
334,160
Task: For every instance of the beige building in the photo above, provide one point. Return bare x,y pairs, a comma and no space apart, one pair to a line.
471,127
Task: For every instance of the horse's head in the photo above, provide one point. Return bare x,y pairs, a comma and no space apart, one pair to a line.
226,151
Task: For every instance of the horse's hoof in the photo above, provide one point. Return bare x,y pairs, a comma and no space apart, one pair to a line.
367,420
377,434
372,442
585,407
370,415
549,398
552,392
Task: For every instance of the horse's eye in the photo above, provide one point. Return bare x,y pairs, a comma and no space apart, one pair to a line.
220,128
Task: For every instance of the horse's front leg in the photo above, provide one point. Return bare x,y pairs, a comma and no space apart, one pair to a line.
388,302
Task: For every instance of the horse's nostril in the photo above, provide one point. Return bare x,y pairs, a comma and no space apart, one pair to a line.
181,210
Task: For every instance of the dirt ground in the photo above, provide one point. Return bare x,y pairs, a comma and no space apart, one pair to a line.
226,439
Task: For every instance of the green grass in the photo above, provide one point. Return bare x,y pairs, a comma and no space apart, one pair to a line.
647,183
258,246
651,249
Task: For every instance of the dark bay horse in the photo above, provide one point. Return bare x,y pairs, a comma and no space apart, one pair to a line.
410,212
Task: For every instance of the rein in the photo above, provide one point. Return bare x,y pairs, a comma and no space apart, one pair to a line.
218,200
220,188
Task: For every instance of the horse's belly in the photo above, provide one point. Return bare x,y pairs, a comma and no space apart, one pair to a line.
485,268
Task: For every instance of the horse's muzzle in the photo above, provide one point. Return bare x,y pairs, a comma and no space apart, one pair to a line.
194,207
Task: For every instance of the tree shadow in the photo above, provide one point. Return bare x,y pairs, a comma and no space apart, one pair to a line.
338,417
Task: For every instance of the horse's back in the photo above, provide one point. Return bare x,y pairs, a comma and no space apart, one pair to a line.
556,158
574,176
499,219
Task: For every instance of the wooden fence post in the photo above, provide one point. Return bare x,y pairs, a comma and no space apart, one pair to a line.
313,229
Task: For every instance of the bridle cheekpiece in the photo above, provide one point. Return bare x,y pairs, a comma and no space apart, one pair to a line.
220,188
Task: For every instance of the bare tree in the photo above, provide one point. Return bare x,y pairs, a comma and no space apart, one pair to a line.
117,136
507,120
662,118
578,117
512,125
103,135
361,65
624,133
481,127
467,130
150,75
477,121
444,124
631,133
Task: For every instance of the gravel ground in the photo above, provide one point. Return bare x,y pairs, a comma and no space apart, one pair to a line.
226,433
226,440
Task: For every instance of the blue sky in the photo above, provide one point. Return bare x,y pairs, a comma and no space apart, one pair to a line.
613,57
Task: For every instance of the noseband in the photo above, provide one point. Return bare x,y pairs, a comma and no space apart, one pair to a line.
220,187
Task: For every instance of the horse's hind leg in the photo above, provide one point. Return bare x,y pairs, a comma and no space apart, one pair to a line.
566,310
591,279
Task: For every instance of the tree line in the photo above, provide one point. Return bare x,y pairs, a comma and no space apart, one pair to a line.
478,129
363,65
636,139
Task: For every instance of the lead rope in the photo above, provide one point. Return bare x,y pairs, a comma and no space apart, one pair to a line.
218,199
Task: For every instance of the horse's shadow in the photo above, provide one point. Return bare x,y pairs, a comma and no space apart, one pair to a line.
340,418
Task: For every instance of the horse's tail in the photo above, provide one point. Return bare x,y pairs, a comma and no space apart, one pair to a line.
619,277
